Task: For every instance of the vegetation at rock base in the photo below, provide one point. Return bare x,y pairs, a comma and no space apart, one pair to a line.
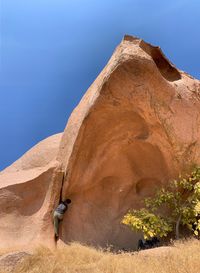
182,200
171,207
183,257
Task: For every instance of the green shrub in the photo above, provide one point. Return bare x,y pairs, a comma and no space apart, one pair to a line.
171,207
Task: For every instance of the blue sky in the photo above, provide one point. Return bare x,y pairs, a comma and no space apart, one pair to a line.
52,50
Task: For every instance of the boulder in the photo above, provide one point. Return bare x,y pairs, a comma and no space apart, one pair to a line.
137,127
29,190
9,261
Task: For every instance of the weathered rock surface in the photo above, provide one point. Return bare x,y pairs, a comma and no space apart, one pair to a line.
136,127
8,262
29,189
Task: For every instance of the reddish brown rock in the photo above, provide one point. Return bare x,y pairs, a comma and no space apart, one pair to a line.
9,261
29,189
135,128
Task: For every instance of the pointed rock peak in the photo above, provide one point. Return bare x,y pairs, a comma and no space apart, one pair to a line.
131,38
166,68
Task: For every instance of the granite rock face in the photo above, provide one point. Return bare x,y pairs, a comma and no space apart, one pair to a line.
137,126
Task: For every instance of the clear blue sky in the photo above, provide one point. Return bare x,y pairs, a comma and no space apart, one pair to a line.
52,50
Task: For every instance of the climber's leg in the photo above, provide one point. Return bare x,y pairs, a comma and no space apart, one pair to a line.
56,224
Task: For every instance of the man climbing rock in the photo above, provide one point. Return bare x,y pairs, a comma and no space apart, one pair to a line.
59,214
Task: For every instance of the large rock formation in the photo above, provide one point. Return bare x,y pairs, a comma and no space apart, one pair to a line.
29,189
136,127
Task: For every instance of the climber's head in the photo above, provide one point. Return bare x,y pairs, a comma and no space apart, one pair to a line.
67,201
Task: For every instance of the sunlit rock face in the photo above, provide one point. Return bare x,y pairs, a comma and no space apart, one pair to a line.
136,127
29,190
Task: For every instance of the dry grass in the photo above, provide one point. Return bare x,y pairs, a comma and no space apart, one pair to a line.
9,250
75,258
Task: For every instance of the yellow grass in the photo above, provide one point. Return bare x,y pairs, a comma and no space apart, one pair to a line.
9,250
183,257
